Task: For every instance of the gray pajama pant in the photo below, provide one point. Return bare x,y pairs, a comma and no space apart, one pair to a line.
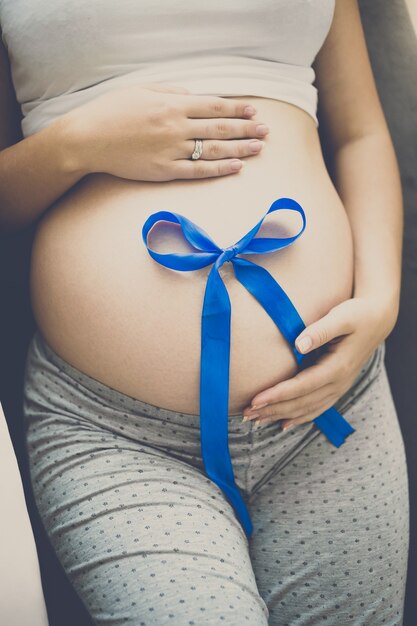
147,539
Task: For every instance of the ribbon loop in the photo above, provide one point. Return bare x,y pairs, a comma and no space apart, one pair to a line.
215,335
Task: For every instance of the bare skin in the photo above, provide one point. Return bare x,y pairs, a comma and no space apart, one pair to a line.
366,176
85,253
147,319
108,308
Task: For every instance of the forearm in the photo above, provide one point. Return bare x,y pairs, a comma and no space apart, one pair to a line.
35,172
368,182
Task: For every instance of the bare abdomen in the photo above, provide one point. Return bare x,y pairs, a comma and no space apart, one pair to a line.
109,309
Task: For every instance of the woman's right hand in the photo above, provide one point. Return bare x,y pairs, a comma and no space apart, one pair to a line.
147,132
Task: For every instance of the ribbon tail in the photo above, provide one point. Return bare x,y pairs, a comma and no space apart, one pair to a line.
214,394
259,282
334,426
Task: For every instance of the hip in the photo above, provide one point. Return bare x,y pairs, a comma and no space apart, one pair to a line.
66,410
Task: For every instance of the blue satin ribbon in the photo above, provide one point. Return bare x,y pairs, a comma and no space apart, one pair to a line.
215,335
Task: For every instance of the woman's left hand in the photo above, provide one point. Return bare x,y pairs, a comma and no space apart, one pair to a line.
352,330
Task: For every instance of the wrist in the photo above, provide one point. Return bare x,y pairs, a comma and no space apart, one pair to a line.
71,145
385,309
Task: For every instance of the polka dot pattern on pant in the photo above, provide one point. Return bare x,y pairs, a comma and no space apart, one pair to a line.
146,537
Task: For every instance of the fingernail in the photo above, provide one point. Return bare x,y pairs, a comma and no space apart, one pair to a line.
250,417
288,426
304,344
259,406
249,111
255,145
262,129
236,165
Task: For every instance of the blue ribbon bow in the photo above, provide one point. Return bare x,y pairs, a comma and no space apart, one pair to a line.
215,335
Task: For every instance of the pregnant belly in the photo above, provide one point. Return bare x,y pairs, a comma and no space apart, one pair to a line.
109,309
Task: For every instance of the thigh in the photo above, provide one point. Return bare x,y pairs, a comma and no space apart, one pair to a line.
331,528
143,537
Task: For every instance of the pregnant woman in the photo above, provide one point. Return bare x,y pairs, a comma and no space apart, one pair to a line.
117,101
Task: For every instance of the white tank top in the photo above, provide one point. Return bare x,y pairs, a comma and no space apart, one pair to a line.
66,52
